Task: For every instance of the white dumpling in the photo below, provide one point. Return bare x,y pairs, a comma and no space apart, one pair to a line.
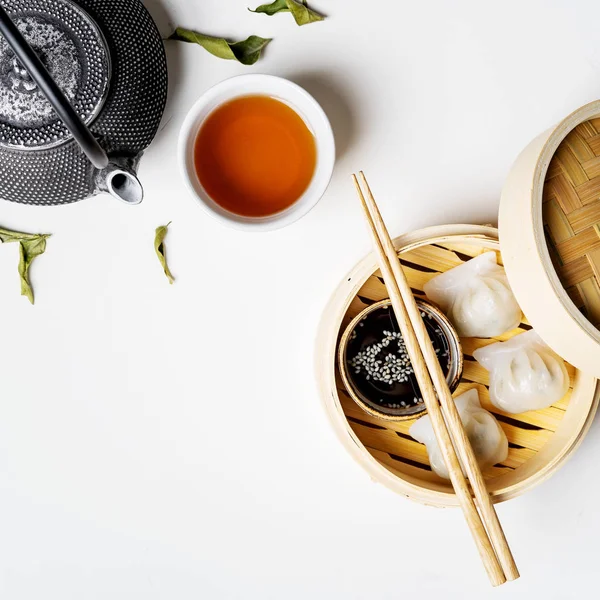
525,374
485,434
476,297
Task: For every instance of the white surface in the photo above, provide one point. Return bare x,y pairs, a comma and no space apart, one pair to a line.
167,442
293,95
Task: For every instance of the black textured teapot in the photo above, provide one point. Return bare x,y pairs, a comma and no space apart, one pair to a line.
83,87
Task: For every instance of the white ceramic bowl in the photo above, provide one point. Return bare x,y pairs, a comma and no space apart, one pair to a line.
297,98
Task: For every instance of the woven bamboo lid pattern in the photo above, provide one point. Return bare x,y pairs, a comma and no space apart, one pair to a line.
571,212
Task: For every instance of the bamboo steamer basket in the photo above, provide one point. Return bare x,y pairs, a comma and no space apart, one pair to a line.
539,441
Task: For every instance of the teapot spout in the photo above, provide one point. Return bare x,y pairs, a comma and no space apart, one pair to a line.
125,186
119,179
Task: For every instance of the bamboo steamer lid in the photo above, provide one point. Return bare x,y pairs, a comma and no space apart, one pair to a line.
549,227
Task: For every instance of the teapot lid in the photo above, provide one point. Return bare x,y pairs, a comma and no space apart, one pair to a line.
75,53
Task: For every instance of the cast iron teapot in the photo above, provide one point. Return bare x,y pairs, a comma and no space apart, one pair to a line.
83,87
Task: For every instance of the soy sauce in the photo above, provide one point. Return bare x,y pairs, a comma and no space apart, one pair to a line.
378,365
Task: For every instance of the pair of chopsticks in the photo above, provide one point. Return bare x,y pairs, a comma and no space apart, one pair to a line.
447,426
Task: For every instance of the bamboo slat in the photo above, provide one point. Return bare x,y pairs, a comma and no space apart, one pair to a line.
594,143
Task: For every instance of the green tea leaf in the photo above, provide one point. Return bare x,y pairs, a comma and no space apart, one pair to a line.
29,250
299,9
302,14
246,52
159,247
7,236
272,9
30,247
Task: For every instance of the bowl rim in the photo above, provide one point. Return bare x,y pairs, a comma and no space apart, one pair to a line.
343,368
299,100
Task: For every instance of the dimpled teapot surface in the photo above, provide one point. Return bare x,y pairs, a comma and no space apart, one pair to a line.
108,60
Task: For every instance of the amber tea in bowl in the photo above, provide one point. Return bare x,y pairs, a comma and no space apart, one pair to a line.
257,151
255,156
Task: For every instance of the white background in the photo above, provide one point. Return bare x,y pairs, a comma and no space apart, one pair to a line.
168,442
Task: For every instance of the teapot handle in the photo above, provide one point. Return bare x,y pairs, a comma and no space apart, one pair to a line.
30,60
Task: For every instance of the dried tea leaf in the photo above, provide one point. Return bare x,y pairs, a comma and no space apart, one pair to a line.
302,14
246,52
30,247
28,251
159,247
7,236
299,9
272,9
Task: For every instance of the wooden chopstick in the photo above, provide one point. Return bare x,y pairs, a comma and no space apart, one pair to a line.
461,441
428,372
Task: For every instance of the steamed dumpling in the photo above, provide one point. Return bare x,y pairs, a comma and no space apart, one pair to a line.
486,436
525,374
476,297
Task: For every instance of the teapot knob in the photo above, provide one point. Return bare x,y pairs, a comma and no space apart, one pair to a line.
19,69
